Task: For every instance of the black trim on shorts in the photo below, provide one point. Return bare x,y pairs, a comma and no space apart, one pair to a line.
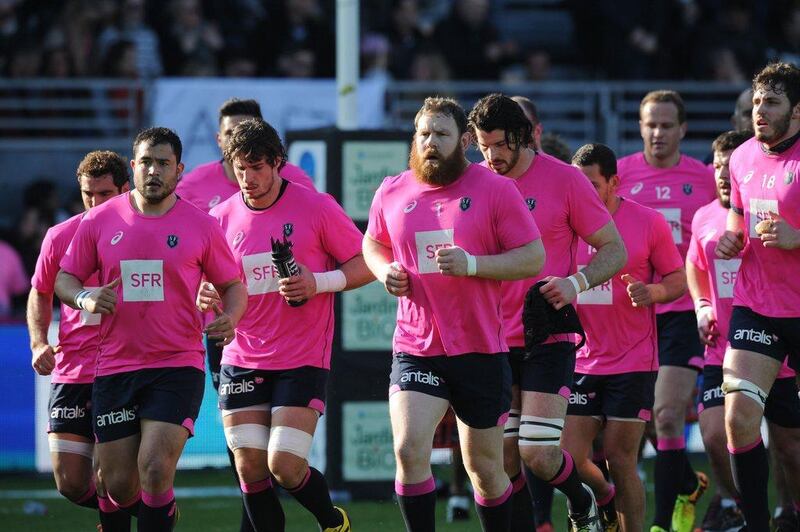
548,368
678,341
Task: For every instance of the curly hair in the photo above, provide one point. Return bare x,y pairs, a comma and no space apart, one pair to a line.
254,139
730,140
780,78
99,163
498,111
444,106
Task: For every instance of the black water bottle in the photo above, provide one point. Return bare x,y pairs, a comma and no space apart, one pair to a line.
283,260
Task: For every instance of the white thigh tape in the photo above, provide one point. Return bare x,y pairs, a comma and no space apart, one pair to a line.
732,384
290,440
511,429
75,447
247,436
543,431
263,407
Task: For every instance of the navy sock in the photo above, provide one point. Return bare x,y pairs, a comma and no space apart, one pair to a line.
751,475
670,457
157,512
521,505
542,496
495,514
262,507
112,519
417,505
313,494
569,483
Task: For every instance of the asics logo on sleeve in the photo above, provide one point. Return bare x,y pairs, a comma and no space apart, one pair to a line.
752,335
116,238
214,201
238,237
637,188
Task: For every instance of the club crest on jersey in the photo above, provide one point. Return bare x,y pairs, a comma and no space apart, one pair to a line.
788,178
465,203
410,207
531,203
172,241
288,229
687,188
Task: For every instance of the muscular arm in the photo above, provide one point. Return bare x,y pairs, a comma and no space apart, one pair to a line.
610,257
356,272
518,263
378,258
671,287
697,279
234,299
67,287
39,315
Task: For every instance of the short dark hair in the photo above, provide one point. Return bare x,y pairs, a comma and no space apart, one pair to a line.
780,77
730,140
444,106
498,111
99,163
529,108
598,154
665,96
159,135
235,106
254,139
553,144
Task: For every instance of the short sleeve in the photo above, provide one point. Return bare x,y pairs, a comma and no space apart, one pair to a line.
587,213
696,254
339,235
219,265
514,224
664,254
81,259
44,275
376,227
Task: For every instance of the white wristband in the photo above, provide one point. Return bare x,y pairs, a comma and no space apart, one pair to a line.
472,264
585,280
700,304
575,284
332,281
82,295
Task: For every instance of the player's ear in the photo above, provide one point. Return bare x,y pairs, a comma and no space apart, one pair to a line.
466,139
683,129
180,169
796,111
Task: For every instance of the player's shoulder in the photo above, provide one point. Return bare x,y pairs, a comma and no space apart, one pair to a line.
226,206
394,182
110,208
191,213
746,149
629,162
706,211
695,166
201,170
639,212
65,229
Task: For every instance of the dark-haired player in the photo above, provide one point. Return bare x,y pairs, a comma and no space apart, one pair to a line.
150,250
565,207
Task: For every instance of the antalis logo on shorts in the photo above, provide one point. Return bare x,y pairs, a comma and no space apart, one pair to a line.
234,388
752,335
420,378
713,393
576,398
116,416
67,412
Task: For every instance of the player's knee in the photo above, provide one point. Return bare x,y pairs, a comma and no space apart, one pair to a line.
410,453
154,472
621,460
713,437
669,419
288,470
72,487
740,422
540,458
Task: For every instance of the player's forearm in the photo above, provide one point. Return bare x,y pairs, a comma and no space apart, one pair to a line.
735,221
671,287
698,283
518,263
356,272
67,287
39,314
234,300
609,259
376,256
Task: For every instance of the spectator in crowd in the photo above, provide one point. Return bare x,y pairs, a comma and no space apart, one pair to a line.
14,282
297,63
429,64
471,43
405,37
130,26
299,28
375,57
40,212
192,40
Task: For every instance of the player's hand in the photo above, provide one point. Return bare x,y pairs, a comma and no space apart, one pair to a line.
639,292
558,291
730,244
707,326
44,358
206,297
102,300
395,279
452,261
298,287
780,234
222,328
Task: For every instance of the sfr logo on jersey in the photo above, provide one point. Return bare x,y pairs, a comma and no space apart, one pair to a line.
262,276
142,280
759,210
427,244
673,216
726,271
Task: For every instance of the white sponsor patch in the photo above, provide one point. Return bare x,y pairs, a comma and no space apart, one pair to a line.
673,216
142,280
599,295
262,276
727,270
427,244
87,318
759,210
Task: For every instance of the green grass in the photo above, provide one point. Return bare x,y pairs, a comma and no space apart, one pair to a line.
222,513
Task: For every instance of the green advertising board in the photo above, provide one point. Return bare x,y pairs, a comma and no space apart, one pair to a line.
364,165
367,453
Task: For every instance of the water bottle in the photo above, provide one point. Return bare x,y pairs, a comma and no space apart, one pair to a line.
283,260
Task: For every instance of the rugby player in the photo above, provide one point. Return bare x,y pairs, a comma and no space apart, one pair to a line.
441,237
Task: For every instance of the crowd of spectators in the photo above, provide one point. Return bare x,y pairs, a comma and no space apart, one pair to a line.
400,39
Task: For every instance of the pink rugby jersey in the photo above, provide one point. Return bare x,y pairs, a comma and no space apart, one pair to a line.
207,185
160,260
481,212
762,183
272,334
13,279
676,192
77,330
707,226
564,204
621,338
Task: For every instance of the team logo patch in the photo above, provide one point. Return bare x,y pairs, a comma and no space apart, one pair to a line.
116,238
531,203
788,178
238,237
410,207
288,229
637,188
687,188
465,203
172,241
